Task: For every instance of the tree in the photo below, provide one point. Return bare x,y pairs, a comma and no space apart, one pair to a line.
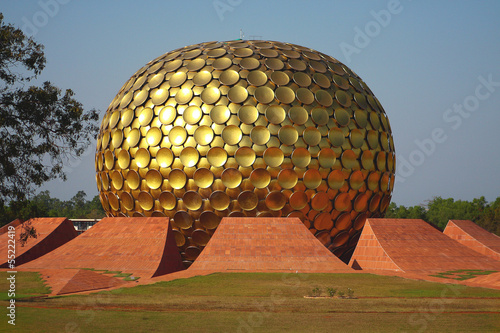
40,127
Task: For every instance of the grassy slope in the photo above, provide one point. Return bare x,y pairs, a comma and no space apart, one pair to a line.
268,303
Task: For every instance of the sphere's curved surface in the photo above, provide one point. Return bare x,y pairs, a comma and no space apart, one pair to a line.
247,128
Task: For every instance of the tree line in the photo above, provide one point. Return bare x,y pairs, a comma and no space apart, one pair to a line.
43,205
439,211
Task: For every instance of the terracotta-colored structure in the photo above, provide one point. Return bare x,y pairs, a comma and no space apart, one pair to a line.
407,245
14,224
266,245
474,237
51,234
144,247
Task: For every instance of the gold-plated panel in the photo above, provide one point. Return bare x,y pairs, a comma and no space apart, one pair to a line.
133,179
183,220
248,114
210,95
202,78
320,201
127,200
312,178
260,135
177,178
247,128
154,179
196,65
183,96
192,200
229,77
336,179
220,114
257,78
273,157
177,79
116,180
237,94
232,135
231,178
343,98
322,80
288,135
349,159
320,116
142,158
249,63
154,136
123,159
192,114
275,200
167,115
342,117
326,158
167,200
248,200
287,178
200,237
301,157
203,178
336,137
209,220
145,116
222,63
357,138
323,98
177,135
298,200
312,136
285,95
189,157
323,221
245,156
264,95
146,200
280,78
275,114
298,115
164,157
217,157
305,96
302,79
260,178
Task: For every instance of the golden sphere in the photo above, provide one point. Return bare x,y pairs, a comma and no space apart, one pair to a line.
247,128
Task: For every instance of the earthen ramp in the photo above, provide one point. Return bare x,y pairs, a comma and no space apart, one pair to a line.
142,246
266,244
411,245
474,237
51,233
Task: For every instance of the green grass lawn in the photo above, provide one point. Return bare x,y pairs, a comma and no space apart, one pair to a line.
261,302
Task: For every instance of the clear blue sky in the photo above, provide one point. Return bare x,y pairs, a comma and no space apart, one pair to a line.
423,62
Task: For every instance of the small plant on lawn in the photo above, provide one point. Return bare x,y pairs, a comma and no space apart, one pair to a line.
316,292
350,293
340,293
331,291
